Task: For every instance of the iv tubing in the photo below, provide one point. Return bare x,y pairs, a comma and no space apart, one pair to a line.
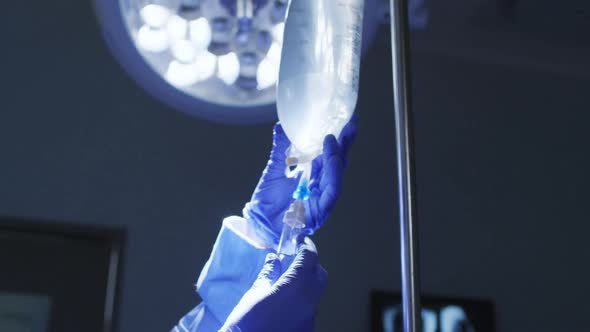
294,218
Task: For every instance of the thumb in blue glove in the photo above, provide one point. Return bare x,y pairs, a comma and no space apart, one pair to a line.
284,302
273,194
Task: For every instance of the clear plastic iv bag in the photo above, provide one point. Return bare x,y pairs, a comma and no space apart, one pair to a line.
319,72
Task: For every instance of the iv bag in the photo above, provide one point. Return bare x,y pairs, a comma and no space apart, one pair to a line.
319,72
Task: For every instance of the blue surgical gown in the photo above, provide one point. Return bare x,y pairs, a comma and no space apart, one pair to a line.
237,257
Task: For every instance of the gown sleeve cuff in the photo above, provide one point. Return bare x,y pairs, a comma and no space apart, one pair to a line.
237,257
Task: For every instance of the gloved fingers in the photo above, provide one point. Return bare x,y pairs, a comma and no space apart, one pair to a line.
331,147
311,272
302,268
319,163
308,244
316,171
279,136
331,183
306,259
328,199
323,198
280,144
312,212
348,134
270,273
332,172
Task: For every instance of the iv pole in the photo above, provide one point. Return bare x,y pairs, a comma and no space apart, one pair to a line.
405,164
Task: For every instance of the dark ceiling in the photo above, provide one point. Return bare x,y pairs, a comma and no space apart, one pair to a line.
558,21
541,35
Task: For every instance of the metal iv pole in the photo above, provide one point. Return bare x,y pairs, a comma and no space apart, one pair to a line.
400,50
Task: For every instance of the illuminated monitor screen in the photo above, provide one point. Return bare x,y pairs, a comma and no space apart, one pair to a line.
439,314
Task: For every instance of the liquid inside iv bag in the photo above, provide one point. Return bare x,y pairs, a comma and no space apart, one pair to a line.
319,72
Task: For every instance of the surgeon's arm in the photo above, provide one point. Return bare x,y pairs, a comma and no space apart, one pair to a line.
243,243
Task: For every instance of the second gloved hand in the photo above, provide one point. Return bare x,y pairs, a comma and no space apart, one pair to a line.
278,302
273,195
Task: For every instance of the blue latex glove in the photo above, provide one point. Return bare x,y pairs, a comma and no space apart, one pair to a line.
278,302
273,195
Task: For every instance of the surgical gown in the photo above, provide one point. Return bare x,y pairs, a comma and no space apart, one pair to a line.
236,259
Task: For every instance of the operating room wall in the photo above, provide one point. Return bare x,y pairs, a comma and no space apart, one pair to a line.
501,161
502,191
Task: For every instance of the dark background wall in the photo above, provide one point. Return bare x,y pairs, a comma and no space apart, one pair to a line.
501,160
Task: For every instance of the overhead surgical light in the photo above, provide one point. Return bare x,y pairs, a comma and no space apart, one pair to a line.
217,59
195,44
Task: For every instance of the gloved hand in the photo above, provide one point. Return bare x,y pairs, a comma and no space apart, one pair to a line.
273,195
278,302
